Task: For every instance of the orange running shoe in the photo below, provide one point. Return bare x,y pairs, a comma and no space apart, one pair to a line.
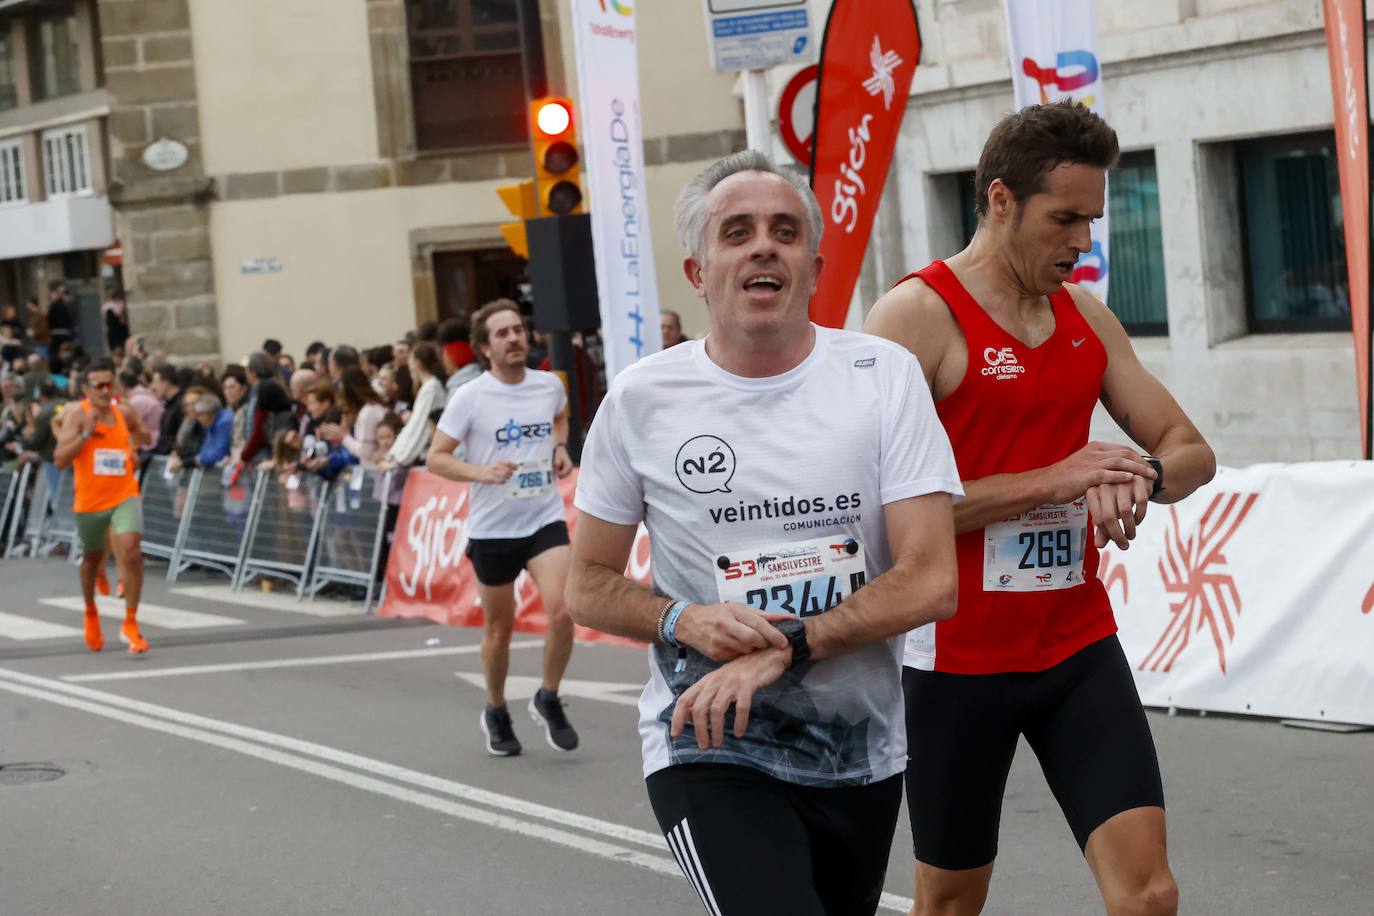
95,640
129,635
102,581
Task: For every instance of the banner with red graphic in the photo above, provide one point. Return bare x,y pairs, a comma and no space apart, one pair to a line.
429,575
1346,48
868,57
1255,595
1053,46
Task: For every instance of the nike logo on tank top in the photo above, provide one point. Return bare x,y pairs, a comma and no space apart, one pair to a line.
1029,595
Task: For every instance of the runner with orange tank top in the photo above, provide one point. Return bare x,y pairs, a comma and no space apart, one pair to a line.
98,439
1017,357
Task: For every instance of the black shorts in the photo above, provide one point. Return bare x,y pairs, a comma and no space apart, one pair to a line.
1083,720
752,845
498,561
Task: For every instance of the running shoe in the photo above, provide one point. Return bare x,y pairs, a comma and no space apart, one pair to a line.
546,709
95,640
129,635
496,725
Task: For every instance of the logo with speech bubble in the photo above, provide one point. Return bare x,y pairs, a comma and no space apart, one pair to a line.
705,464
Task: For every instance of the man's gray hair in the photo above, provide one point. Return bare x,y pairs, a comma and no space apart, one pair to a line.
690,209
206,403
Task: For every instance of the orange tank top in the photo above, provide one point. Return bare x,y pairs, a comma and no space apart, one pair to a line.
106,473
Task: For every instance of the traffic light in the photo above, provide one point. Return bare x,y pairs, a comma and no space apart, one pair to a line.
519,199
557,170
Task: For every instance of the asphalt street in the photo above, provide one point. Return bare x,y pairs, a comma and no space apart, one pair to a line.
262,760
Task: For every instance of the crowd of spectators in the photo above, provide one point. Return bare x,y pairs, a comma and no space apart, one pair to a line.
337,407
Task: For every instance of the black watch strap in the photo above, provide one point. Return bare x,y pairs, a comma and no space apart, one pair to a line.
795,631
1159,474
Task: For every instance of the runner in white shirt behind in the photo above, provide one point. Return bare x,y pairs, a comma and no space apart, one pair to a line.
513,423
796,484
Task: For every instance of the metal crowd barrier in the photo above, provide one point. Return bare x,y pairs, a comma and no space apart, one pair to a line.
12,483
163,508
214,522
353,526
284,528
292,526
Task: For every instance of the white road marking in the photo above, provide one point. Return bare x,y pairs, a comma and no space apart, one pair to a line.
227,735
520,687
272,601
14,626
306,662
156,615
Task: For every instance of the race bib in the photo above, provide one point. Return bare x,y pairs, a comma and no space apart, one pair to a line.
531,479
802,578
111,462
1039,550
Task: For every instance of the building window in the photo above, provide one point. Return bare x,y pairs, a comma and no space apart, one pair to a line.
13,190
66,162
1135,277
54,57
1136,249
9,84
465,73
1294,235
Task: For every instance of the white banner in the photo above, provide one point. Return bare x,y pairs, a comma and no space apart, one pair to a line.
613,163
1255,595
1053,46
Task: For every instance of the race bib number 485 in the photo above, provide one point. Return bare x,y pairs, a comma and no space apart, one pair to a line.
1039,550
111,462
803,578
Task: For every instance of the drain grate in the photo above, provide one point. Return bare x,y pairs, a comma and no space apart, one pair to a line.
22,774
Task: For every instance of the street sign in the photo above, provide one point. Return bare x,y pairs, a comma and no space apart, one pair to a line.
758,34
797,113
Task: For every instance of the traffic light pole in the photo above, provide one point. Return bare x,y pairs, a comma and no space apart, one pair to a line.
532,50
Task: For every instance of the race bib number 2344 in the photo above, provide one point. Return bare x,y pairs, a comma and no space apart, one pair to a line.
803,578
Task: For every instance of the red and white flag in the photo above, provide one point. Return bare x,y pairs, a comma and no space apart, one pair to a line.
868,57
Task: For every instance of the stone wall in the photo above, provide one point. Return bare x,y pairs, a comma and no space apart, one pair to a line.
161,218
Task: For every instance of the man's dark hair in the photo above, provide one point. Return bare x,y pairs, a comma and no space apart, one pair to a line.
100,364
272,347
168,373
262,365
128,379
314,348
452,330
344,356
427,331
134,364
237,373
380,356
1026,145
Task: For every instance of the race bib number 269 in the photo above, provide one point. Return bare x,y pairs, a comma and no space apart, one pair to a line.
803,578
1039,550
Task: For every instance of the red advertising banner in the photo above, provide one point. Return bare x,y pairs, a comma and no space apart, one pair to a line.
1345,43
428,574
868,57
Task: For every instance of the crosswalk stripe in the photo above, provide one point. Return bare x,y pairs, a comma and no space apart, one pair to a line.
272,601
170,618
13,626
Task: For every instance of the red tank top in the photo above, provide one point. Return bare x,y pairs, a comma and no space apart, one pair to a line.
1026,601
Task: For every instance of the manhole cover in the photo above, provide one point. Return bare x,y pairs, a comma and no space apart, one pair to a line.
21,774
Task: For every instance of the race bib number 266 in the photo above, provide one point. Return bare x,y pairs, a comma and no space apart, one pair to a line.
803,578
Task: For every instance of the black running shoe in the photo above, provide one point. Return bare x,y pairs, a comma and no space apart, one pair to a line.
496,725
547,710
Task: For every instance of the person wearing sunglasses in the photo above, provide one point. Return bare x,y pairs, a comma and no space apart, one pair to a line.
97,440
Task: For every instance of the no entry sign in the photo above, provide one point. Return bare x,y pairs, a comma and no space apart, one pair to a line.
797,114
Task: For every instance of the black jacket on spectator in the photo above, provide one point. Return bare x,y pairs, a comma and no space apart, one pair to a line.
271,411
170,425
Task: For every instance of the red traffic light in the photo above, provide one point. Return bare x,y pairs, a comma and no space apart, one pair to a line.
553,118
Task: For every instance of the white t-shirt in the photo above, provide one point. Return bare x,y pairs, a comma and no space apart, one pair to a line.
770,491
500,422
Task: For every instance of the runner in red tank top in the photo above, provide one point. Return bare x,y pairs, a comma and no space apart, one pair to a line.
1017,361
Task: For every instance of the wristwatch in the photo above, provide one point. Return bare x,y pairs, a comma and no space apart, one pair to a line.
795,631
1159,473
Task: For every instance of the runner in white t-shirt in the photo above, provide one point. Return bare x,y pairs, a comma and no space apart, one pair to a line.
513,423
786,469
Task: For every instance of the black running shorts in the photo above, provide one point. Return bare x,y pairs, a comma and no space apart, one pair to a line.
752,845
498,561
1083,720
